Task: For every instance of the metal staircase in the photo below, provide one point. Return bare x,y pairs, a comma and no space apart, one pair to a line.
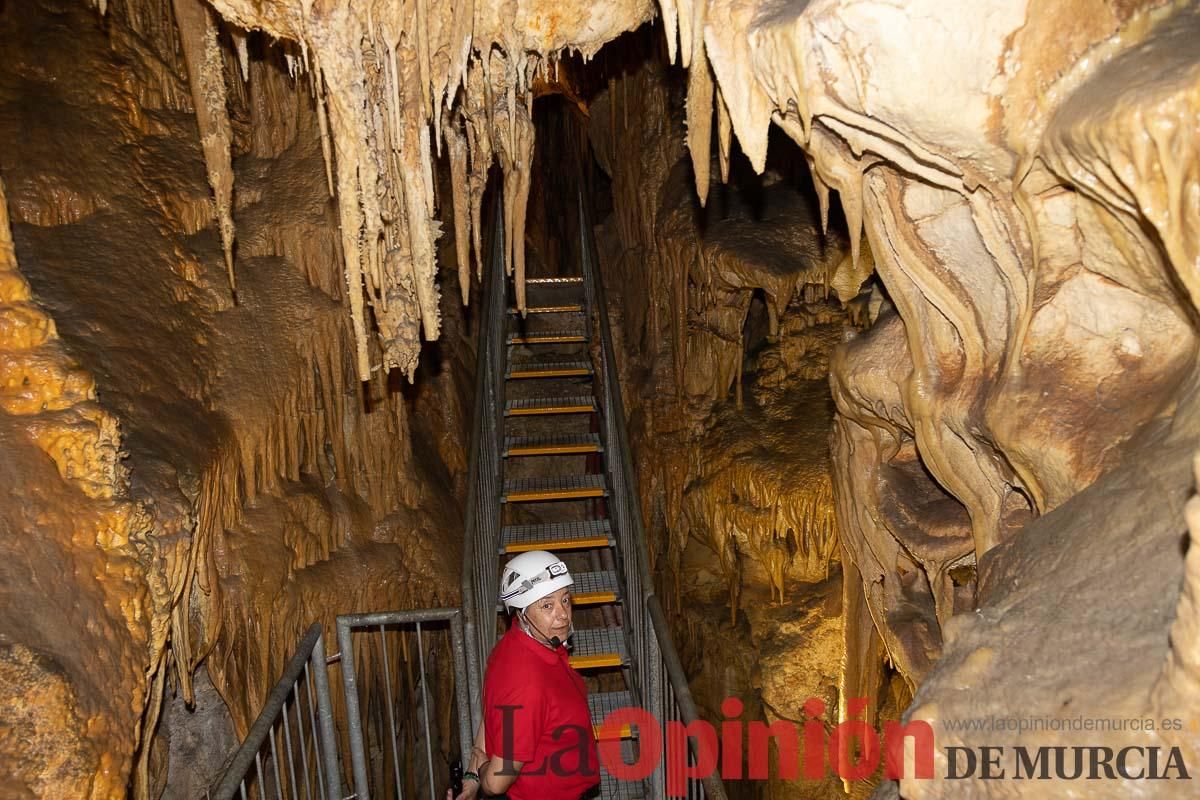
535,405
550,434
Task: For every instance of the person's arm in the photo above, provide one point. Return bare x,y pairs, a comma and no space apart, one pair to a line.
496,775
471,783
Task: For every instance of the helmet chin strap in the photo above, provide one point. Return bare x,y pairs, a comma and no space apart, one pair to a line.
553,642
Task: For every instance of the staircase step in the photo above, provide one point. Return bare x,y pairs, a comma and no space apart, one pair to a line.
601,704
613,788
594,648
531,406
575,335
560,445
594,587
557,536
556,487
542,368
566,308
557,281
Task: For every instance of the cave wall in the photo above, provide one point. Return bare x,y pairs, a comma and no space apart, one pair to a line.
1028,202
198,473
725,319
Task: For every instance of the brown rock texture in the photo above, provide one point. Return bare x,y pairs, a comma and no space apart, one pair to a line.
217,478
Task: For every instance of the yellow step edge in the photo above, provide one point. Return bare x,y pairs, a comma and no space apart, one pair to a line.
555,494
591,598
596,661
530,412
574,372
554,545
554,450
625,733
567,309
554,280
547,339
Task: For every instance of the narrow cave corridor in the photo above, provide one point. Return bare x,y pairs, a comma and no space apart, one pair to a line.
898,304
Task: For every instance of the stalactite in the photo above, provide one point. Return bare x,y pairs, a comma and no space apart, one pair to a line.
198,33
699,104
456,147
243,53
724,136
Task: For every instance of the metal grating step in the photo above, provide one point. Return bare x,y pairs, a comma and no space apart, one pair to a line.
558,445
612,788
594,587
559,336
556,487
565,308
557,536
601,704
529,406
594,648
547,368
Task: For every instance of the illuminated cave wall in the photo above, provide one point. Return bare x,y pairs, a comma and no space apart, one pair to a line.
191,479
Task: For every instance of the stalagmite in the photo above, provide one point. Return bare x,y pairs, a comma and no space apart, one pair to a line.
198,34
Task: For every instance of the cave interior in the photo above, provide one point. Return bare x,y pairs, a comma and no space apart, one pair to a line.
904,297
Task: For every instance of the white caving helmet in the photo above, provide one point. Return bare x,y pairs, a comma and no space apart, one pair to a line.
531,576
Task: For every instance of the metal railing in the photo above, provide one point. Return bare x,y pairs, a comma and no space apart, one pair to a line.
392,742
289,755
480,578
658,672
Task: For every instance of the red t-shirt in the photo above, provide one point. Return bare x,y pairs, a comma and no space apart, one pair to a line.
546,724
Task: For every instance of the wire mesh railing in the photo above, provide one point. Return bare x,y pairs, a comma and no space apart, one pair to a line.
289,754
480,578
404,673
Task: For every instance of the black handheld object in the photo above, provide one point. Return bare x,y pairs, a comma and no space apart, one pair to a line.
456,778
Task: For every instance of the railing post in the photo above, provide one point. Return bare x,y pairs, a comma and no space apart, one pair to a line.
329,747
466,717
358,758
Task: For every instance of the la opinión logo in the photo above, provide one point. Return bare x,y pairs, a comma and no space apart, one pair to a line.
852,749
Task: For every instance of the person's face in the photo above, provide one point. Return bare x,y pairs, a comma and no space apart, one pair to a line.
552,614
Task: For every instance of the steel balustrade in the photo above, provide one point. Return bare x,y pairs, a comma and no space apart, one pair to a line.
256,768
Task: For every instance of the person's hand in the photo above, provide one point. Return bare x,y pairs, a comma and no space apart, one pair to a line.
470,791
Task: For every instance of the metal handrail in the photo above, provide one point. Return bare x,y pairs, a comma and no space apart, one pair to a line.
309,660
646,608
479,578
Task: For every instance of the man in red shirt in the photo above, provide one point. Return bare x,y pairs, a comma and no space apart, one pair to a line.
537,729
